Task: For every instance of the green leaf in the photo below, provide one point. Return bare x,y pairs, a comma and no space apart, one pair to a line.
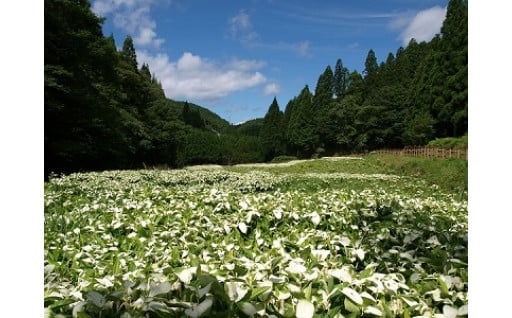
353,295
200,309
247,308
162,288
443,286
203,291
96,299
307,291
49,269
78,308
158,307
255,292
409,302
368,296
61,303
282,294
235,291
350,306
373,311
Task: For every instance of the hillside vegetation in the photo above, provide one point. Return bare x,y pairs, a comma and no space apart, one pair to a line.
449,175
450,142
105,111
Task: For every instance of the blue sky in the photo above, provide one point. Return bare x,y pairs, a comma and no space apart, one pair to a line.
233,57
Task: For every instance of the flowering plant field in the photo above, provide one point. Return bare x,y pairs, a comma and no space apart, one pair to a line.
219,243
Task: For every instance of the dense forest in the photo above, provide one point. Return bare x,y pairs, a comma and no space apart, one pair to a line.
104,111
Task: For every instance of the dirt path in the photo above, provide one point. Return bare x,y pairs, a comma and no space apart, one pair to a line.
270,165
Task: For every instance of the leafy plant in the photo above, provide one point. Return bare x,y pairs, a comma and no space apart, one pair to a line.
196,243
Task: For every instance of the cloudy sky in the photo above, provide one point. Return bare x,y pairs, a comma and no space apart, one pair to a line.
233,57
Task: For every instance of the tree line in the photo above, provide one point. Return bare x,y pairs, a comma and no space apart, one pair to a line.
416,95
104,111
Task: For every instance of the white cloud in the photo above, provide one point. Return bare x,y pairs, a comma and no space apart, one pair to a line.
194,77
246,65
133,17
302,48
239,22
272,88
147,36
103,7
241,29
423,26
353,45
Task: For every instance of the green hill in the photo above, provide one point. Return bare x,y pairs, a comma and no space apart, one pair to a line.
212,120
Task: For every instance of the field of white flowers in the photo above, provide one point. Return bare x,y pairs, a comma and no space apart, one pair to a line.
220,243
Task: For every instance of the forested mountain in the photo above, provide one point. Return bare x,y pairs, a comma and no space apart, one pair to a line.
104,111
418,94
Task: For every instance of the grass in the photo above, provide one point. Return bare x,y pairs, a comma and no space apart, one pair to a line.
450,142
450,175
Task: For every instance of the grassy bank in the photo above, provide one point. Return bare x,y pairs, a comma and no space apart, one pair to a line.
450,175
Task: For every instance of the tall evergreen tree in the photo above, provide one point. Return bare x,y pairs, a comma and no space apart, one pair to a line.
355,86
192,117
324,90
441,85
344,119
322,102
370,65
340,79
454,61
272,134
301,134
128,52
146,73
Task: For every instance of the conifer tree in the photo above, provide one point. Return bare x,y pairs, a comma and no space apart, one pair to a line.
272,134
322,101
191,116
301,132
128,52
370,65
340,79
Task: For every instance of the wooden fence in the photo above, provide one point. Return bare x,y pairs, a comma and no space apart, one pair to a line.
426,152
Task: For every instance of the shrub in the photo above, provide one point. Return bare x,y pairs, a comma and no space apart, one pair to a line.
450,142
280,159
